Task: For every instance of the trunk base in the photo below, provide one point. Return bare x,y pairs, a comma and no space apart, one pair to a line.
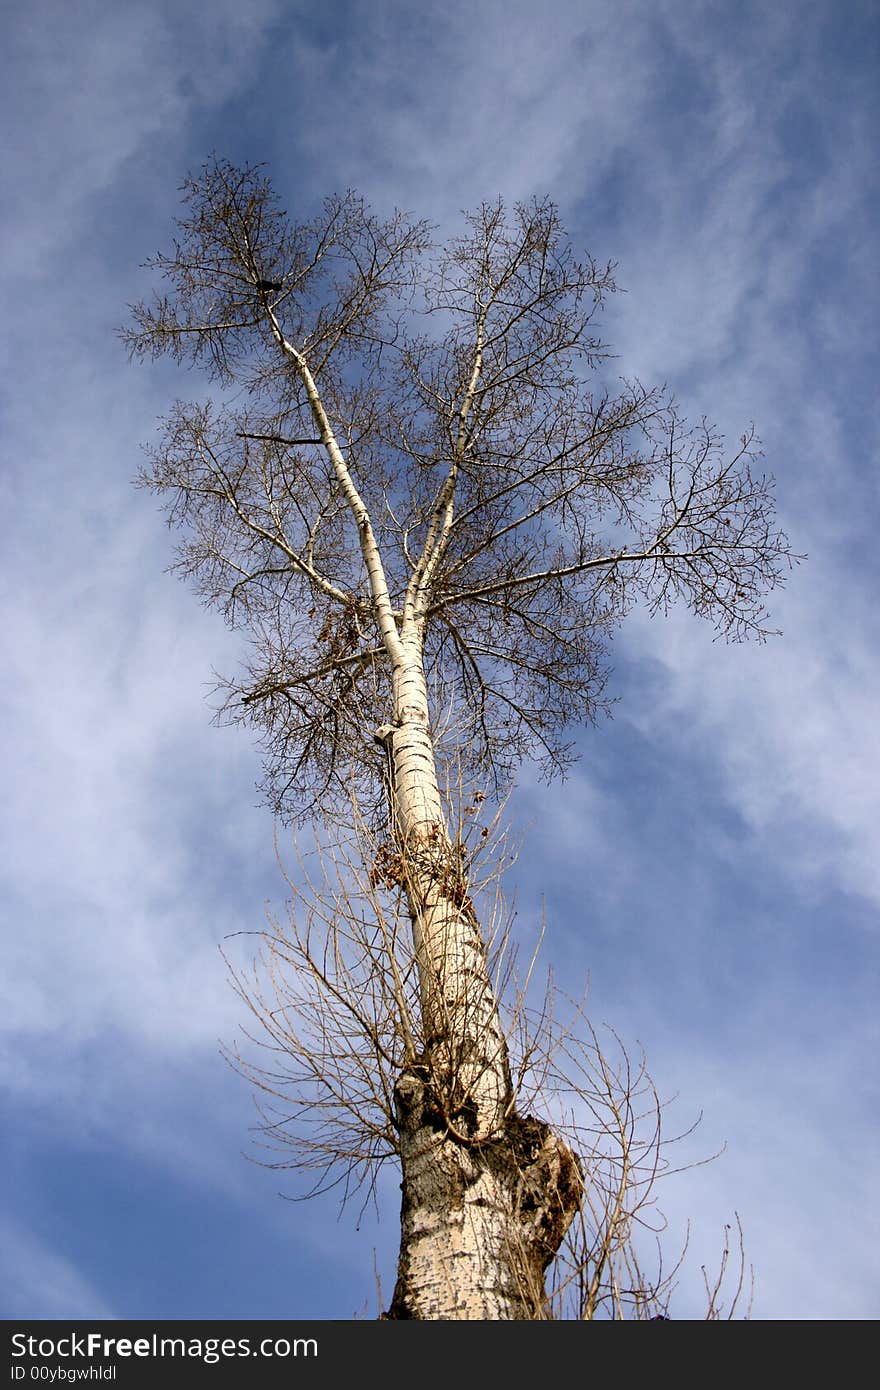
479,1222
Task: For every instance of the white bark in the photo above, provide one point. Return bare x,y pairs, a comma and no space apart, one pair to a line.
459,1013
478,1224
458,1005
487,1196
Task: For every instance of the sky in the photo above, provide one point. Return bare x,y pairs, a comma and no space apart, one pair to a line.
712,863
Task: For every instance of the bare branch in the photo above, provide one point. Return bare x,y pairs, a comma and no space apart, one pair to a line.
470,470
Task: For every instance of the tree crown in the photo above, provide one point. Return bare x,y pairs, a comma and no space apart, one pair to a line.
412,458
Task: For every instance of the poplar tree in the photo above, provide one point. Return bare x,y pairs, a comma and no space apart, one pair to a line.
418,493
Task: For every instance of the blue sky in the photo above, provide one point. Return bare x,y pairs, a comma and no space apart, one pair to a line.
712,863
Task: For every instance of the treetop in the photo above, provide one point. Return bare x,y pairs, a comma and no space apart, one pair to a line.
415,454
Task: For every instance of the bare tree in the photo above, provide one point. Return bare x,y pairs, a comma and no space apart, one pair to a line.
428,523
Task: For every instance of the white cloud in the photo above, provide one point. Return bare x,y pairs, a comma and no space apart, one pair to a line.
91,86
440,111
782,1110
40,1283
790,725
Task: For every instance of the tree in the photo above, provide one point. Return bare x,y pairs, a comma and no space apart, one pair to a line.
428,523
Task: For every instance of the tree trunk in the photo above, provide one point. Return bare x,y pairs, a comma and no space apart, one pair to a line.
487,1194
479,1222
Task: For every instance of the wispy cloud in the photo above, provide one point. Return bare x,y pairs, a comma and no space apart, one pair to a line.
715,858
43,1284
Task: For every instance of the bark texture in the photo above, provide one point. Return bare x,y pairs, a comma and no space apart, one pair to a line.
479,1223
487,1194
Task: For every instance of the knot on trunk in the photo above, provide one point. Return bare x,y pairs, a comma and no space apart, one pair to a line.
550,1185
409,1098
480,1221
422,1101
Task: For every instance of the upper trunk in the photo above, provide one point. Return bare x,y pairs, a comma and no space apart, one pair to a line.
465,1045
